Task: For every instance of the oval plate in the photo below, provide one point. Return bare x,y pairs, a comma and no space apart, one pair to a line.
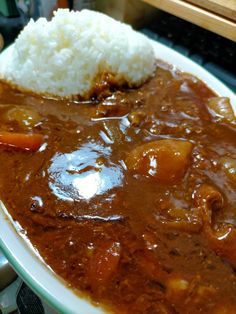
27,264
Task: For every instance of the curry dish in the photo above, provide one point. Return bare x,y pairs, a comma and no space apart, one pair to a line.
130,198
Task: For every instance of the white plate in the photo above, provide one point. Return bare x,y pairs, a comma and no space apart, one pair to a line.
29,266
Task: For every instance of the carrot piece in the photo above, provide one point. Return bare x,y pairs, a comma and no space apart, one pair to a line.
30,142
103,263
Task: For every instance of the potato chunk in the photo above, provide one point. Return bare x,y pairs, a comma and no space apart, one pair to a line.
176,288
165,160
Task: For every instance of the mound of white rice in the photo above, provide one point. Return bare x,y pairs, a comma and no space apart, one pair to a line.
68,54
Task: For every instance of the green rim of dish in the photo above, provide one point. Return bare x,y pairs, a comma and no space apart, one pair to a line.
38,290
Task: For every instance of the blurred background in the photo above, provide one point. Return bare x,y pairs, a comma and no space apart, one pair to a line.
202,30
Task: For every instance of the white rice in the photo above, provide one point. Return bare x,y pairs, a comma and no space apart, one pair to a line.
67,55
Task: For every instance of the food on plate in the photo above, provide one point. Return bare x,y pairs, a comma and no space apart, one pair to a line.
23,141
78,54
164,159
220,108
129,197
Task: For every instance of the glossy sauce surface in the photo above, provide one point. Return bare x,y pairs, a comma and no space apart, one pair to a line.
130,199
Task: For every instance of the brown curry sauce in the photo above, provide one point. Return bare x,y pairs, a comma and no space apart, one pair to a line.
130,199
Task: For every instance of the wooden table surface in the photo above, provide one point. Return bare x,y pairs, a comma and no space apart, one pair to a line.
226,8
218,16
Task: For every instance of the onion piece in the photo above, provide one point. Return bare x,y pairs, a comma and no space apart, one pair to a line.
220,109
222,238
229,166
